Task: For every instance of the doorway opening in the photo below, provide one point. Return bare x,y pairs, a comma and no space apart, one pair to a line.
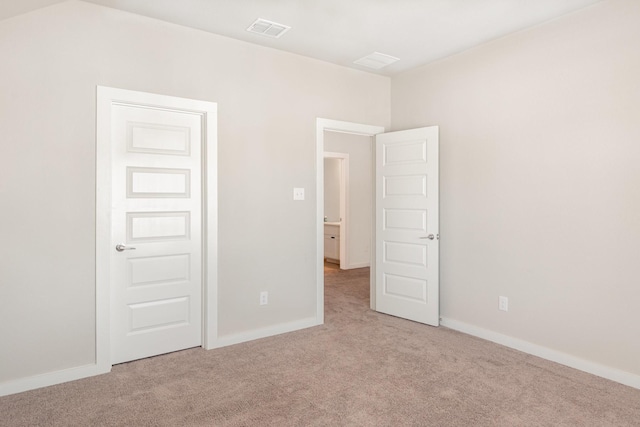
336,209
330,134
348,199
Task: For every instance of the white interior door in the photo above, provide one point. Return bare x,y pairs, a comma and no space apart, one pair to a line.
156,238
407,224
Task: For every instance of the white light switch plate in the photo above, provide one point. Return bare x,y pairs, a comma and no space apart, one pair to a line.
298,194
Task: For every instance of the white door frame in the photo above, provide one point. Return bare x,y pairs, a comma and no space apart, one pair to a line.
106,97
344,205
343,127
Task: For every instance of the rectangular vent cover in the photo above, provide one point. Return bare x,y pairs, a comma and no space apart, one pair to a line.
268,28
376,60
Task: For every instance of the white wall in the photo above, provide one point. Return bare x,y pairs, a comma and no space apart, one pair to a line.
268,102
332,177
360,202
540,181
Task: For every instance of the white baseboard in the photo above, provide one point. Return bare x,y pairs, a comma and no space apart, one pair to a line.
622,377
265,332
71,374
357,265
50,378
603,371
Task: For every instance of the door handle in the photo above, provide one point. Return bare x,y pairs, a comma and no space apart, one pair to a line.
121,248
430,237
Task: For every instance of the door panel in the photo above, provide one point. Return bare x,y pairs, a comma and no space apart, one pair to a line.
144,137
157,270
156,281
158,182
407,275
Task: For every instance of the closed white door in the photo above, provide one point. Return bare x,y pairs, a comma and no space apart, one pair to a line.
407,225
156,239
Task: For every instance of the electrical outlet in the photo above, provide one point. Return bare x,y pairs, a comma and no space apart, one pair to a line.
503,303
264,298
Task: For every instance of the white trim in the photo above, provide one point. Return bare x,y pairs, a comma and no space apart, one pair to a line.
359,265
210,228
106,97
603,371
269,331
344,205
343,127
48,379
103,236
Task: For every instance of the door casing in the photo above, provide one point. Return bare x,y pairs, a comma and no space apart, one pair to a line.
106,97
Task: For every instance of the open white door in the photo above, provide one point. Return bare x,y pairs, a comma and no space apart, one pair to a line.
407,225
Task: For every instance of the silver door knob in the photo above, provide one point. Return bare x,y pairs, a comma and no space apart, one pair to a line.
430,237
121,248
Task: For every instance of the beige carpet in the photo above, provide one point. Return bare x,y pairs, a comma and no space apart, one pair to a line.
360,368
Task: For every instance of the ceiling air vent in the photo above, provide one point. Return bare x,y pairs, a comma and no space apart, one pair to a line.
376,60
268,28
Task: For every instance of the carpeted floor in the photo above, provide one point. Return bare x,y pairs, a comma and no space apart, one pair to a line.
361,368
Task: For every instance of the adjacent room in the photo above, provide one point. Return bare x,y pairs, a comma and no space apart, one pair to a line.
175,145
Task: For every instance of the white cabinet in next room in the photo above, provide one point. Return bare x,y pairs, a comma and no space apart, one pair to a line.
332,242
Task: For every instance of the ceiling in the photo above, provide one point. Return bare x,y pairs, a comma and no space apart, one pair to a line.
342,31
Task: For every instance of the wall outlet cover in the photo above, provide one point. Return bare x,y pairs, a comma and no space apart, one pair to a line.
298,193
503,303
